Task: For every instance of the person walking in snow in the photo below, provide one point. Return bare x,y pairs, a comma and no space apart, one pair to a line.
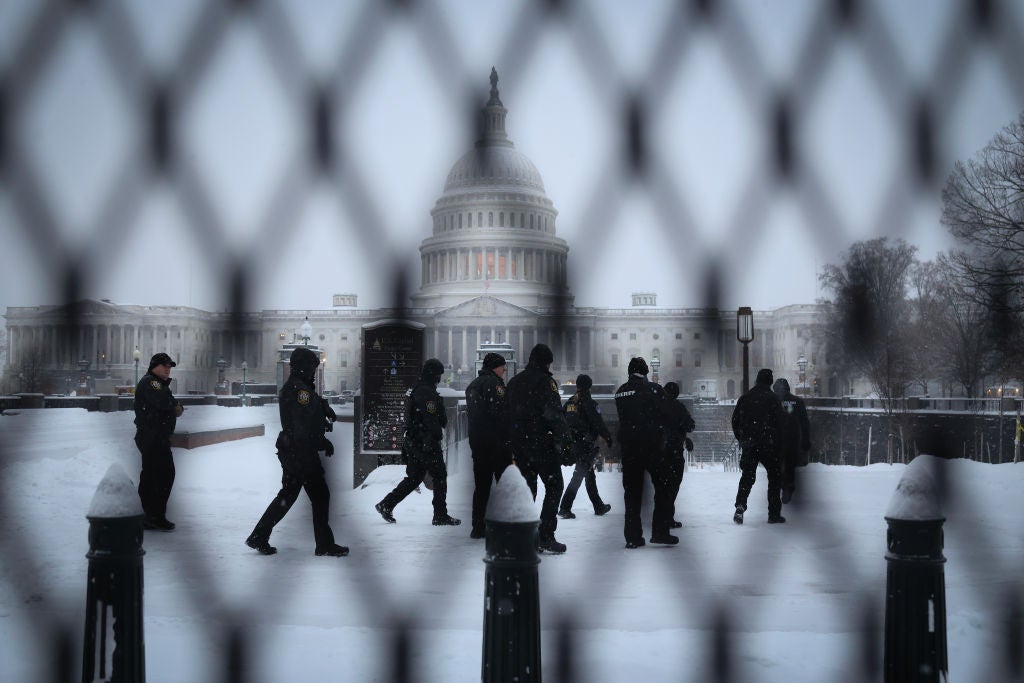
539,437
425,421
487,410
756,423
795,436
156,415
640,404
586,424
305,419
678,423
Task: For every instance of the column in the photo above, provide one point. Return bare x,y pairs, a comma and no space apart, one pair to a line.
451,359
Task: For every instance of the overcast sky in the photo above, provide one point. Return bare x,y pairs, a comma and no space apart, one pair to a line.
403,123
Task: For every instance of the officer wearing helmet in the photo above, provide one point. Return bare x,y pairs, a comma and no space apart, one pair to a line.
425,420
305,419
641,433
540,435
586,424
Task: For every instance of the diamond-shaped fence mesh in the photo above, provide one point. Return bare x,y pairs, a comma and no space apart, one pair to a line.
161,81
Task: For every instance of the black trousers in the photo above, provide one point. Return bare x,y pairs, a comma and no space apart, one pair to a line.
550,474
635,461
584,472
772,464
415,472
489,461
157,476
293,481
790,459
674,467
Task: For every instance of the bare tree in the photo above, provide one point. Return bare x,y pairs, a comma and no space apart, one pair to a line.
866,322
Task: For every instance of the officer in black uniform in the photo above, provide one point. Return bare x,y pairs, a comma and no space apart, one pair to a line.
586,424
540,437
641,432
156,414
305,419
677,423
487,409
796,436
756,422
425,420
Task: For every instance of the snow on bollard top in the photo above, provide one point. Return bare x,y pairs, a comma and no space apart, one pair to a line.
115,496
511,500
917,495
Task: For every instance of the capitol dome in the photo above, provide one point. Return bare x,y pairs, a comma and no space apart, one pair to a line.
494,228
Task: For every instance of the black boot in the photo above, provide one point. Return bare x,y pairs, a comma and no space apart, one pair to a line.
550,545
445,520
665,539
738,517
260,544
385,512
332,550
602,509
567,514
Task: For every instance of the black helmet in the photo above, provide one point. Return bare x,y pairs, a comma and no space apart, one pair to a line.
303,358
584,382
672,390
493,360
432,369
637,366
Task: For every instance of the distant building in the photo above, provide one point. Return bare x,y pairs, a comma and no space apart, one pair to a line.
493,270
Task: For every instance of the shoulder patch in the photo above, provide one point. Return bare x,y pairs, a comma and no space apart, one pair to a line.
431,407
155,384
500,391
303,397
570,407
554,385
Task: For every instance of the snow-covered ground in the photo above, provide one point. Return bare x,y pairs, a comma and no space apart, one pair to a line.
796,593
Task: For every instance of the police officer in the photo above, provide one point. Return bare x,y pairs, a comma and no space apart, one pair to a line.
585,424
487,409
305,418
424,421
796,436
156,414
756,422
539,437
640,404
677,423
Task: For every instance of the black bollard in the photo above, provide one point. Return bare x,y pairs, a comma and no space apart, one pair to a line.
511,647
915,601
113,600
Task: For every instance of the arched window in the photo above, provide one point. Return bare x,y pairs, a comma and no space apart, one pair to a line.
470,214
501,219
490,219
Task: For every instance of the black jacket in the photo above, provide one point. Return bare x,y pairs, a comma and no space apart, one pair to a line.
425,421
584,418
155,407
641,413
487,410
796,428
757,419
303,424
677,423
539,430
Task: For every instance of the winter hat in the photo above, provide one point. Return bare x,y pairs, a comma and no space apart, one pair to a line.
432,370
781,387
493,360
303,358
672,390
764,376
584,382
541,355
161,359
637,366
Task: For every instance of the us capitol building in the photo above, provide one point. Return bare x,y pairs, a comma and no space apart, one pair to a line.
493,270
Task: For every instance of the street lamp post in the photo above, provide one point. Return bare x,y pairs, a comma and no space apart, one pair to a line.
245,369
136,355
745,335
305,331
655,366
801,364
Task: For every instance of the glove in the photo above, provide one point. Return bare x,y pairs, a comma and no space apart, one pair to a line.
178,409
688,444
327,447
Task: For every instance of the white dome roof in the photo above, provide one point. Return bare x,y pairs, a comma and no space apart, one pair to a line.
491,166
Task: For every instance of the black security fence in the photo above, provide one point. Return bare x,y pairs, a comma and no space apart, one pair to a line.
153,100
